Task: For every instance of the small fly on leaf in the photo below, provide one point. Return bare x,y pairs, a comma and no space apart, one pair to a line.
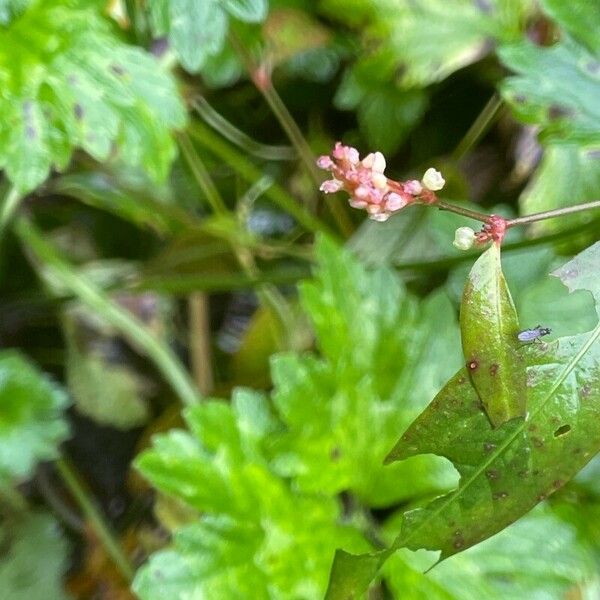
531,335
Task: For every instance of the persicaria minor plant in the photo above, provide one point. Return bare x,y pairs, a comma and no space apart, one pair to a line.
518,419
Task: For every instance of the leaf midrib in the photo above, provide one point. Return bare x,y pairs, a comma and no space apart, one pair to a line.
400,543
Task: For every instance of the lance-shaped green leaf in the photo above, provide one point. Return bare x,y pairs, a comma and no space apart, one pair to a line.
489,328
507,470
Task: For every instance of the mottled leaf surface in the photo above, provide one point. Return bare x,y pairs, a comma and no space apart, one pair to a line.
489,327
538,94
504,471
31,420
68,82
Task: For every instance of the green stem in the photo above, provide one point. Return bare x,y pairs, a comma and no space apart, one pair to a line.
293,132
9,207
238,137
459,210
479,127
106,537
99,302
205,136
550,214
201,174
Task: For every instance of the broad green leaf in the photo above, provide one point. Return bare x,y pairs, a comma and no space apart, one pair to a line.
507,470
384,357
33,560
249,542
250,11
489,328
458,33
196,28
69,82
537,93
31,420
567,175
508,565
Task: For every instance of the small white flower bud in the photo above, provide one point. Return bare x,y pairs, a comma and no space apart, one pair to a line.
374,161
464,238
379,181
433,180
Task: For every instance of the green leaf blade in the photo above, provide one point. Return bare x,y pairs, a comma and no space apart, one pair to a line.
489,328
505,471
31,420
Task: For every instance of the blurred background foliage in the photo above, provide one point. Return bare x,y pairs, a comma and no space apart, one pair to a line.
160,206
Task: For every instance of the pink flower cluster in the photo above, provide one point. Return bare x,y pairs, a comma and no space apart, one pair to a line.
366,183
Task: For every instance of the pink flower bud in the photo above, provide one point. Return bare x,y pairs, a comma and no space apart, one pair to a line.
324,162
348,153
331,186
413,187
394,202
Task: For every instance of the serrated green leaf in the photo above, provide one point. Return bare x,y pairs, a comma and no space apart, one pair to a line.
250,11
196,28
537,94
384,356
458,33
509,565
489,327
249,543
74,84
508,470
31,421
34,559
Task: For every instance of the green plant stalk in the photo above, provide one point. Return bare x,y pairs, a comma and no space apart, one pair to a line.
551,214
106,537
205,136
480,126
166,362
201,174
9,207
238,137
289,125
268,295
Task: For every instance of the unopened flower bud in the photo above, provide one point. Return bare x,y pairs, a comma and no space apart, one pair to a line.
331,186
413,187
464,238
374,161
433,180
379,181
324,162
395,202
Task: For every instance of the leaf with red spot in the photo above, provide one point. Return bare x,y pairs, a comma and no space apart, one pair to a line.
489,328
505,471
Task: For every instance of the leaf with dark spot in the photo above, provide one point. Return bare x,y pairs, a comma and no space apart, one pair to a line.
489,327
505,471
